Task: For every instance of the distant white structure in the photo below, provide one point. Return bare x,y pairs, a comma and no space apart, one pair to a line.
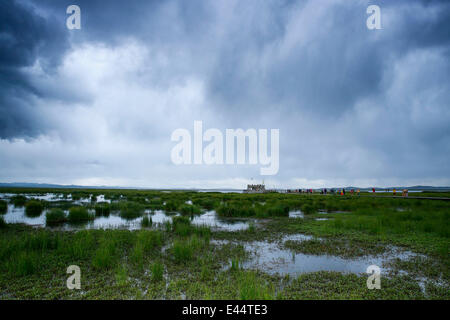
255,188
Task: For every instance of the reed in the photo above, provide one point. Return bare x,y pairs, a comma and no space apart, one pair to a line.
77,214
3,206
33,208
55,215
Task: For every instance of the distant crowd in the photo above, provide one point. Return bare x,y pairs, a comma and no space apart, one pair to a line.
342,191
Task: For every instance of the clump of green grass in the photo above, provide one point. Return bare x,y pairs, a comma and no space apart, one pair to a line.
40,241
234,264
183,250
308,209
77,214
278,210
18,200
232,209
251,228
202,231
33,208
206,203
105,256
131,210
253,288
78,247
181,225
146,241
55,215
171,205
146,222
121,274
156,204
245,208
137,255
157,270
149,239
24,263
189,209
2,222
3,206
102,209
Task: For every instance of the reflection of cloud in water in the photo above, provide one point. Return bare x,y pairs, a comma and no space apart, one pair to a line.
296,214
159,216
270,257
114,221
210,218
17,215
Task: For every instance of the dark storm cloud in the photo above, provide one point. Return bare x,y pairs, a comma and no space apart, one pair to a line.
335,58
350,102
242,61
25,37
339,63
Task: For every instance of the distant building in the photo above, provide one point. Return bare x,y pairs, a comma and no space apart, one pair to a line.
255,188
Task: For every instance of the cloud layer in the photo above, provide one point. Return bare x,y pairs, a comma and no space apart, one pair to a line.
98,105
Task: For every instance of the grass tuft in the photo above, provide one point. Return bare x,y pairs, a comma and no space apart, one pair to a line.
157,270
55,215
77,214
146,222
2,222
3,206
102,209
33,208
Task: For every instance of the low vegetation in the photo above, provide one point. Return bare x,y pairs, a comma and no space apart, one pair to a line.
180,260
102,209
55,215
3,206
77,214
34,208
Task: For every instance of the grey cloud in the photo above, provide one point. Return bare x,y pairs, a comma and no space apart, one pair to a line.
24,37
349,102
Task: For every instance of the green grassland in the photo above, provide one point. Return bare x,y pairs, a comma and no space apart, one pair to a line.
179,260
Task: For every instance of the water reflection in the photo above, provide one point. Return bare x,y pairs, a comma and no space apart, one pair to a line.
211,219
113,220
272,258
296,214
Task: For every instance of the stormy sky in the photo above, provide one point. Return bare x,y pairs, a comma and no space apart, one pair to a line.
97,106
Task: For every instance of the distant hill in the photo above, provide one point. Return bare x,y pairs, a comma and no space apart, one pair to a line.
72,186
41,185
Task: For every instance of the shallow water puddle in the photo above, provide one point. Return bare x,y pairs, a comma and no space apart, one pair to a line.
211,219
271,258
46,197
17,215
296,214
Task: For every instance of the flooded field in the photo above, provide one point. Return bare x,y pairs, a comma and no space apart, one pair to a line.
195,245
17,214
